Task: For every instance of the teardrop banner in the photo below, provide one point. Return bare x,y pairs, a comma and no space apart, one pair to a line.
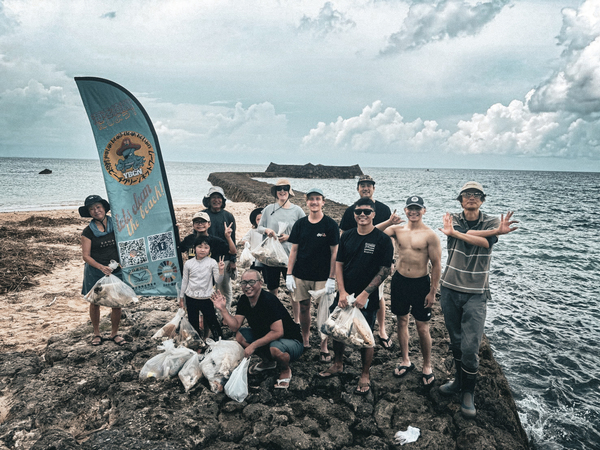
136,183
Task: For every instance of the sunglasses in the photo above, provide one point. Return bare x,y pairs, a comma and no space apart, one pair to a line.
244,283
282,188
471,194
366,212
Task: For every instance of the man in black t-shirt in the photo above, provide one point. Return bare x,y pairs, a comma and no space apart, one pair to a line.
383,218
311,265
364,261
272,334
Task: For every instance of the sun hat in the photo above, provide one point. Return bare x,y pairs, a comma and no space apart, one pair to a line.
201,215
84,211
315,191
365,179
472,185
282,182
415,200
211,191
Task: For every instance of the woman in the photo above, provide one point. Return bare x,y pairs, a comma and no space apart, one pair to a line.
283,211
98,247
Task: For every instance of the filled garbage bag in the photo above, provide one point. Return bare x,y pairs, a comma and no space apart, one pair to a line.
111,291
220,360
348,325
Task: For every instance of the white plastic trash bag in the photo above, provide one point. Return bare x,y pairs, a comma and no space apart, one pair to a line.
271,253
405,437
191,372
170,329
111,291
246,258
348,325
154,366
237,386
175,359
325,301
220,360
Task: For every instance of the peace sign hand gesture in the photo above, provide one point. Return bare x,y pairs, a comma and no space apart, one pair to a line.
228,229
221,263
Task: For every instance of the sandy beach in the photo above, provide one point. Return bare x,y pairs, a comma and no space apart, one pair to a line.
42,271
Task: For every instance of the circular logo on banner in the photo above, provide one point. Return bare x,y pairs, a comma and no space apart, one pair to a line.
129,157
167,271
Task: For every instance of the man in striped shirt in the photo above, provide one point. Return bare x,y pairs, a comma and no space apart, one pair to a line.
465,286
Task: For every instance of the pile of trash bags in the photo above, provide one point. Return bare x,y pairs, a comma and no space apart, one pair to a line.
180,358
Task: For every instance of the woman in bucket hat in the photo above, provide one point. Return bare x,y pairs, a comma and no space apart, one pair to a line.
281,212
99,248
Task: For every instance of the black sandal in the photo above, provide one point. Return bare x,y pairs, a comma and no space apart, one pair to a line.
389,344
97,342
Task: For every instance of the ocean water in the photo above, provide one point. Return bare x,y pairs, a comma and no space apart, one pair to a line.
544,316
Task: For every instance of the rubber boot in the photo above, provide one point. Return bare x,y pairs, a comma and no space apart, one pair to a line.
467,397
454,386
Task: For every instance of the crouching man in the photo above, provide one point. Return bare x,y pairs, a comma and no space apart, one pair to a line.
272,334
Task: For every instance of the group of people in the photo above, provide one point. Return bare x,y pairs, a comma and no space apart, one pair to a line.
353,258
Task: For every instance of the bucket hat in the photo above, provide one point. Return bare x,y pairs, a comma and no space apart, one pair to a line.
84,210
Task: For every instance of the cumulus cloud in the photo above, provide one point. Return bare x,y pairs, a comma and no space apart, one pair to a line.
428,22
575,86
376,130
329,20
561,116
218,129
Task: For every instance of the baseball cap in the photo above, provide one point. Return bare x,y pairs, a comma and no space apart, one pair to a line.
201,215
365,179
315,191
415,200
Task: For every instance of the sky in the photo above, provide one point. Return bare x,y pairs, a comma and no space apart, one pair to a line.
492,84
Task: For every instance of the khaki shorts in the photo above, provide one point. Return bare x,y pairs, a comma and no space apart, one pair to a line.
303,286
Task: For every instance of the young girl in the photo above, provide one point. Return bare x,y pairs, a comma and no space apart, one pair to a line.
253,237
200,274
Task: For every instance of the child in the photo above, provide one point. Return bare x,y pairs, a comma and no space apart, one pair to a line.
200,274
253,237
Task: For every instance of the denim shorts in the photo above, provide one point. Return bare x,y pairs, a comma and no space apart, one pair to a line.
291,346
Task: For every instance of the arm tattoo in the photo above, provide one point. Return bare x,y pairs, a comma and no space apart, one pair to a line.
378,279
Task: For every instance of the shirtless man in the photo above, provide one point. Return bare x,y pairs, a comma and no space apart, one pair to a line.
412,289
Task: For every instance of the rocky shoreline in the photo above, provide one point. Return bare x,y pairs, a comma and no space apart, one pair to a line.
75,396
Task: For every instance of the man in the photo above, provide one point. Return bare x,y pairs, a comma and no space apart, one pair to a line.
214,202
363,262
311,265
383,215
272,334
465,288
412,290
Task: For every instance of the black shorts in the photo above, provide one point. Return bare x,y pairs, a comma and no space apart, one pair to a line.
272,276
408,295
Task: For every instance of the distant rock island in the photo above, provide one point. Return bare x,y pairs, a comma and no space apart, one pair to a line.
314,171
45,172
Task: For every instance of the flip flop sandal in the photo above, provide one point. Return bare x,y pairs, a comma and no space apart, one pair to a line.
389,344
367,385
405,368
96,340
330,374
255,369
282,383
426,379
325,357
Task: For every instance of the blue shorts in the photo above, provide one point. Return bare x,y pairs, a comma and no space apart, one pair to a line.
290,346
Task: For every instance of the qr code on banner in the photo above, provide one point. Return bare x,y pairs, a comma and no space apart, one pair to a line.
162,246
133,252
